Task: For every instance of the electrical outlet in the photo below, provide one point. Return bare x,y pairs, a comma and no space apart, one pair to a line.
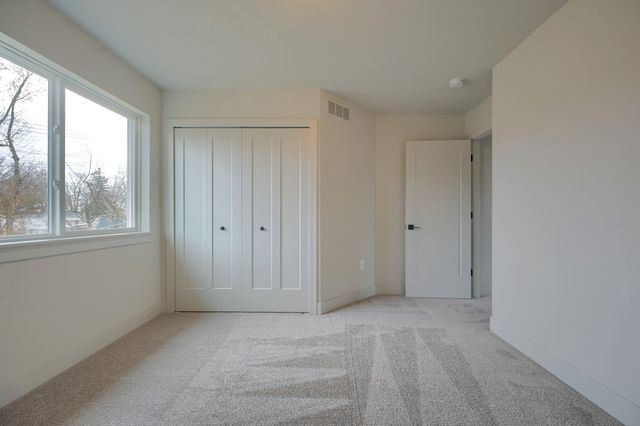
362,266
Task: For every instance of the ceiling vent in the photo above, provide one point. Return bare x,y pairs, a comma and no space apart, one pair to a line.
338,110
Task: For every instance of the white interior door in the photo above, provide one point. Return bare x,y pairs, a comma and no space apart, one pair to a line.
208,197
275,220
438,219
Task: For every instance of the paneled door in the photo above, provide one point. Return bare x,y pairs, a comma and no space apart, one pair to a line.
275,220
438,219
242,219
208,219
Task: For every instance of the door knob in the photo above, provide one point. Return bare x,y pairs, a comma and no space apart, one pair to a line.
262,228
222,228
411,227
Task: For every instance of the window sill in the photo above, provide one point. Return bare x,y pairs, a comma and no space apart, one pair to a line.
25,250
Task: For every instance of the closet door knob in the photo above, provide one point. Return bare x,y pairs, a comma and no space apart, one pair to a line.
262,228
222,228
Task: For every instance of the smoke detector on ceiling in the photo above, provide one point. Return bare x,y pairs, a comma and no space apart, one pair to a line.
456,83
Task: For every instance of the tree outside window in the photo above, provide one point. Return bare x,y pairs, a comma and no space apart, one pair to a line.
23,151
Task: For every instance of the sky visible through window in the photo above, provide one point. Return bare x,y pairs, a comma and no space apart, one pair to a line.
94,133
96,165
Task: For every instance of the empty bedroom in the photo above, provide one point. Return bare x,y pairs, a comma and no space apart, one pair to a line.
319,212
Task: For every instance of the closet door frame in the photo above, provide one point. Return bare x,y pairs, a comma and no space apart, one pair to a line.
169,193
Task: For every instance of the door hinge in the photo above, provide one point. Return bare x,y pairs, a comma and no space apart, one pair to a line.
471,215
471,157
471,271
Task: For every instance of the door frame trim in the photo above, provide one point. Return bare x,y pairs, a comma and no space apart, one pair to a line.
168,165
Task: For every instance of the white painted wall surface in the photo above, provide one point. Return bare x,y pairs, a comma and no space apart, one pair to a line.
58,310
477,122
391,133
566,178
242,104
346,205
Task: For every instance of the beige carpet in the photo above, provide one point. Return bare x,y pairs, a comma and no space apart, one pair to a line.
387,360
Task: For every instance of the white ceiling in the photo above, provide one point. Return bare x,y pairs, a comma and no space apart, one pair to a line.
392,56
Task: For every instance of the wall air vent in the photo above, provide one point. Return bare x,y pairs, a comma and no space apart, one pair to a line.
338,110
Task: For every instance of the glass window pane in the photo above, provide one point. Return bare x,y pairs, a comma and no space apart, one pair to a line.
96,181
24,120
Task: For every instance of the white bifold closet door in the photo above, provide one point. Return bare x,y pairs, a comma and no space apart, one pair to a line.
276,217
208,218
242,219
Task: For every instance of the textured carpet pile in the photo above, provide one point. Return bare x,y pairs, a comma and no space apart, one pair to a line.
384,361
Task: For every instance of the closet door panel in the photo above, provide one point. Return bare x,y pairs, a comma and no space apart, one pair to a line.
226,202
193,208
275,164
208,219
291,211
262,143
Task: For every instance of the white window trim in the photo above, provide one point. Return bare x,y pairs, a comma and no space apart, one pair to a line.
133,141
35,249
59,241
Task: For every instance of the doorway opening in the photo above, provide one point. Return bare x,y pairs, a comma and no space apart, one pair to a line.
482,215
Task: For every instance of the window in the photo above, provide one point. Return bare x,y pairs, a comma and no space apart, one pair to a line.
69,163
24,176
96,167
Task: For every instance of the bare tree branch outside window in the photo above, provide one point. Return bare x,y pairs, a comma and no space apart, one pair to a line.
23,177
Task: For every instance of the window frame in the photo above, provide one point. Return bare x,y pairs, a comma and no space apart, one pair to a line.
59,80
133,142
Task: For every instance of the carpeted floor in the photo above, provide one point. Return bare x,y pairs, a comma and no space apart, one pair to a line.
384,361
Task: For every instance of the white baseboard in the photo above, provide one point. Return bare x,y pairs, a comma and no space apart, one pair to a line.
625,410
345,299
19,385
385,290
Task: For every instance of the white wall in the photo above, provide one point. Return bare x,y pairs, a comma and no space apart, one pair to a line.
477,122
346,172
566,179
242,104
391,133
56,311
